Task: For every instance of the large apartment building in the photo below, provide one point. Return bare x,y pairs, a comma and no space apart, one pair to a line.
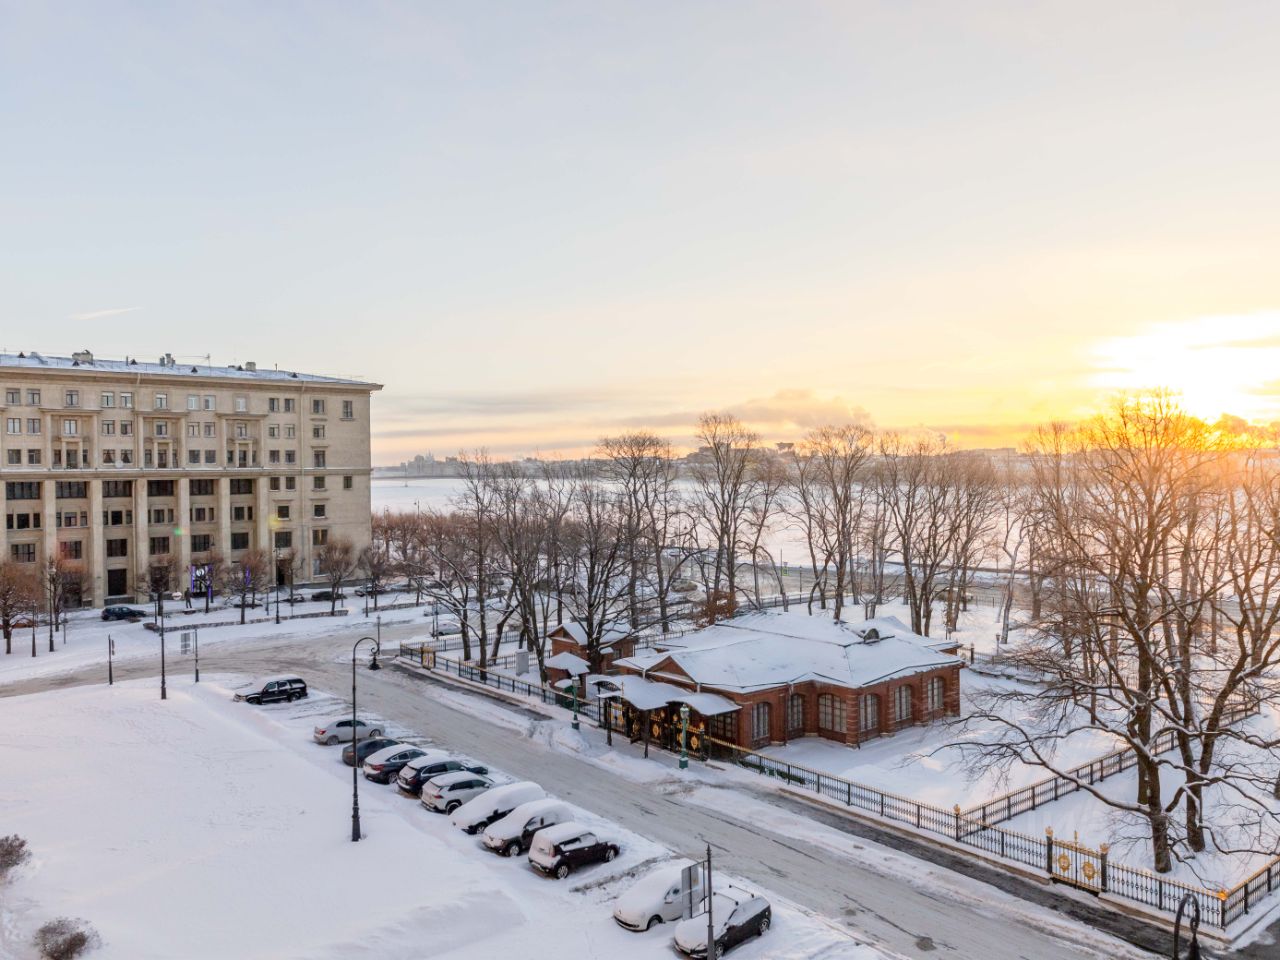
122,466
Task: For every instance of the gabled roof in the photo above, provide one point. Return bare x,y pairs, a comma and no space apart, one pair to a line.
765,650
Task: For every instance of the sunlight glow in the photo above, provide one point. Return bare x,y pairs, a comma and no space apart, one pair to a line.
1216,365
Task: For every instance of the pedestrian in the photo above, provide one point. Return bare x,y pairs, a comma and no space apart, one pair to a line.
186,596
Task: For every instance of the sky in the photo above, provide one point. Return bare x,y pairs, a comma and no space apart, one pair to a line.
540,223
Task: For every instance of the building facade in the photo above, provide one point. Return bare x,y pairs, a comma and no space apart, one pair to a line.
122,466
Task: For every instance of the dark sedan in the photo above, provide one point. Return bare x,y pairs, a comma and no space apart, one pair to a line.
122,613
382,766
367,748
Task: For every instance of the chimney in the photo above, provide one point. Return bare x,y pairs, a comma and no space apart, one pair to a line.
82,356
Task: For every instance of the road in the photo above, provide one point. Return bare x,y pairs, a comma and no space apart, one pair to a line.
893,912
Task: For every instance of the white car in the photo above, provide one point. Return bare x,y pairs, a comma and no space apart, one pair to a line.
657,897
737,915
513,834
338,730
447,792
474,815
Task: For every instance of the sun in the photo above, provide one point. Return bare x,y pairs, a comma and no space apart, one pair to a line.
1216,365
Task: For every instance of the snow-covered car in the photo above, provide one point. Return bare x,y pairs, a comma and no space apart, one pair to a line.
737,915
558,851
382,767
474,815
431,764
513,834
446,792
657,897
353,755
282,689
344,728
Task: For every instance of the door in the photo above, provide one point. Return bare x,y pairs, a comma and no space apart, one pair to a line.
270,692
117,583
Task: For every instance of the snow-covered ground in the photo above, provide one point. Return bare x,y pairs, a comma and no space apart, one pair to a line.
198,827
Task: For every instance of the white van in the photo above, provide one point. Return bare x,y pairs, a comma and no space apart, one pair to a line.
494,804
513,834
657,897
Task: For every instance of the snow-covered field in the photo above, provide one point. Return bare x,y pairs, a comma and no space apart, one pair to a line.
197,827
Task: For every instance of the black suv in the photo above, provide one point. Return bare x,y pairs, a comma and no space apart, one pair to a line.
283,690
122,613
411,778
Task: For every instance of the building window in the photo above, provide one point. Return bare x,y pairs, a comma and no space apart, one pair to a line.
869,713
831,713
71,398
273,404
242,514
33,425
126,456
291,483
724,726
319,511
162,428
13,425
33,457
117,488
935,692
70,490
274,483
273,431
109,458
23,552
193,401
193,429
288,405
290,432
107,400
201,543
319,536
902,705
33,398
126,400
241,487
209,403
284,539
22,490
348,410
242,405
159,488
118,548
210,457
291,456
15,458
70,428
159,546
126,428
240,541
759,722
71,549
108,428
317,432
318,459
209,430
273,456
193,457
200,488
12,397
161,401
317,407
795,714
347,483
317,483
282,511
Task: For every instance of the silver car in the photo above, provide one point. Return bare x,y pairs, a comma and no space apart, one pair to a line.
447,792
338,730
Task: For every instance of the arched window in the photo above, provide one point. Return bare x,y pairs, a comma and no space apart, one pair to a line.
831,713
935,695
902,705
795,714
869,720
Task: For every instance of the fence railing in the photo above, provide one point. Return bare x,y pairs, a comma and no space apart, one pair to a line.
1064,861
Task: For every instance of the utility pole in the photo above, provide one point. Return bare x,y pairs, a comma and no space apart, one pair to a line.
164,687
111,649
711,927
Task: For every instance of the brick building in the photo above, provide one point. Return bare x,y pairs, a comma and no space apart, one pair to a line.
795,675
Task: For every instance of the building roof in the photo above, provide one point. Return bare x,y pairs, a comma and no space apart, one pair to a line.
651,695
765,650
567,661
168,367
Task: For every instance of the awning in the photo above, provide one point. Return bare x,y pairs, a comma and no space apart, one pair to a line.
650,695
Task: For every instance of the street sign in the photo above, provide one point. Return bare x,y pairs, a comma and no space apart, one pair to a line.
199,577
522,662
690,878
185,638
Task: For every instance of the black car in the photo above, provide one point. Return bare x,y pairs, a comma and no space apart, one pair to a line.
559,850
122,613
412,776
327,595
367,747
295,598
386,768
280,690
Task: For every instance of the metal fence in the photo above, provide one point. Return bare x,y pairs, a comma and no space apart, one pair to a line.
1067,862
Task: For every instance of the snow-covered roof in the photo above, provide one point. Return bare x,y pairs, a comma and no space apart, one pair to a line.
651,695
766,650
578,634
135,367
567,661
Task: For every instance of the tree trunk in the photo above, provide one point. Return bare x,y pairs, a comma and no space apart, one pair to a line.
1160,851
1195,816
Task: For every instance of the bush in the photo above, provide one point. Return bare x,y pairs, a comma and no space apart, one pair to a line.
13,853
65,939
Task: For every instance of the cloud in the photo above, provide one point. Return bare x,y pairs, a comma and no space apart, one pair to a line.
99,314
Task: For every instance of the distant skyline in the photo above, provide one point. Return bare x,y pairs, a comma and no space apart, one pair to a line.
541,223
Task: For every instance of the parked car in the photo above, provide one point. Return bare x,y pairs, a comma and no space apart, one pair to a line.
492,805
737,915
327,595
431,764
355,753
558,851
446,792
294,598
657,897
513,834
382,767
344,728
371,591
282,689
122,613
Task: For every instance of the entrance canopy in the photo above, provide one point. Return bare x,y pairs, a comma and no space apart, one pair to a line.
652,695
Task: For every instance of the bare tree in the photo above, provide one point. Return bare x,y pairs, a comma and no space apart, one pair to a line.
336,560
63,580
725,485
378,566
246,577
19,591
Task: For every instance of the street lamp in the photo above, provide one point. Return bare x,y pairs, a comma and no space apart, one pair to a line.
684,736
164,688
276,558
573,685
355,736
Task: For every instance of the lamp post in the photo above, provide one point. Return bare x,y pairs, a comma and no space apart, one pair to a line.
164,685
573,685
1193,928
684,736
355,736
277,572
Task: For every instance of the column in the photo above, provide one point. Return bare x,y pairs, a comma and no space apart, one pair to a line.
262,514
223,545
97,565
141,539
49,525
182,530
